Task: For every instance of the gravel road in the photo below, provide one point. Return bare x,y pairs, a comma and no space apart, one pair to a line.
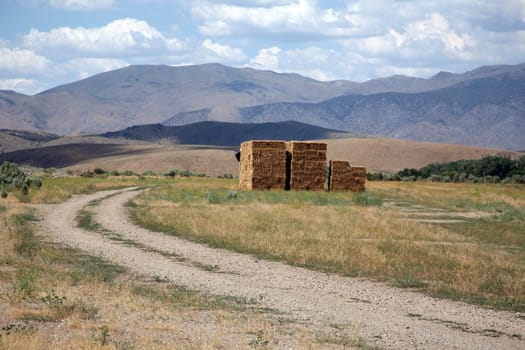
381,315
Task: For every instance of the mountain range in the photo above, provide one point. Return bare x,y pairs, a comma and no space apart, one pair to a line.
484,107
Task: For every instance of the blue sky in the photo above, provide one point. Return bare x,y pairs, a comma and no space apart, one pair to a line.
44,43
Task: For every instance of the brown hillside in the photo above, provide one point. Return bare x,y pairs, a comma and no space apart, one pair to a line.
392,155
377,154
161,158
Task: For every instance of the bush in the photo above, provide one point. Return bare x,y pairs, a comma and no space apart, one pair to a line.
375,176
489,169
12,177
87,173
100,171
172,173
408,178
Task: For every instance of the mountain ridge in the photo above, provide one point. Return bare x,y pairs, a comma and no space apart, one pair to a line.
397,106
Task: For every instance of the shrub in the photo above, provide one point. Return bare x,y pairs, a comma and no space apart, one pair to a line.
11,176
87,173
172,173
99,171
375,176
489,169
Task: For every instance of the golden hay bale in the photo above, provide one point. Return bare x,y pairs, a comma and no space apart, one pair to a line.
262,165
307,165
344,177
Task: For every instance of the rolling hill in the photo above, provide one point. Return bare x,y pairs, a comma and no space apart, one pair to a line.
12,140
377,154
224,134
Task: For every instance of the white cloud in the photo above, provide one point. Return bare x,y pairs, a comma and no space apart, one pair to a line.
81,4
299,16
425,40
224,52
22,61
21,85
267,58
121,36
436,27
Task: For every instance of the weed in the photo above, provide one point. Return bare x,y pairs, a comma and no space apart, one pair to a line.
18,327
53,300
231,195
103,336
213,198
409,283
85,221
367,199
26,244
89,268
259,340
25,282
87,311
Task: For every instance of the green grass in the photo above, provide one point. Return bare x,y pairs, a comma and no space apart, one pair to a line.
26,244
226,195
56,190
478,261
177,297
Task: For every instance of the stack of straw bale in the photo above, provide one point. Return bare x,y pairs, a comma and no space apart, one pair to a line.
262,165
307,165
344,177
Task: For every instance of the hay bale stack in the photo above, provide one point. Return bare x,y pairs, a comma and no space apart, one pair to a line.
262,165
307,165
344,177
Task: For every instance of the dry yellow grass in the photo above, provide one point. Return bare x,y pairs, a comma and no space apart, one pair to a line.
350,239
449,194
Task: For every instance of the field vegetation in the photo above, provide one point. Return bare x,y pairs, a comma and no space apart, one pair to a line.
53,297
467,241
488,169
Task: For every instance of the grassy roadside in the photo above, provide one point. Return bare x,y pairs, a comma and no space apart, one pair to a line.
480,260
59,298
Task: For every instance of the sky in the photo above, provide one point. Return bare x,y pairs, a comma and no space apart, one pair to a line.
45,43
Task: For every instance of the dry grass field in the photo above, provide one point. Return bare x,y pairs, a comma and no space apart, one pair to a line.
462,242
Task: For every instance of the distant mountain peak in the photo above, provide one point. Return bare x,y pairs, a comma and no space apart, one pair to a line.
442,75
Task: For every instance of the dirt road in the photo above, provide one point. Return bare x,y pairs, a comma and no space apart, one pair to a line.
381,315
